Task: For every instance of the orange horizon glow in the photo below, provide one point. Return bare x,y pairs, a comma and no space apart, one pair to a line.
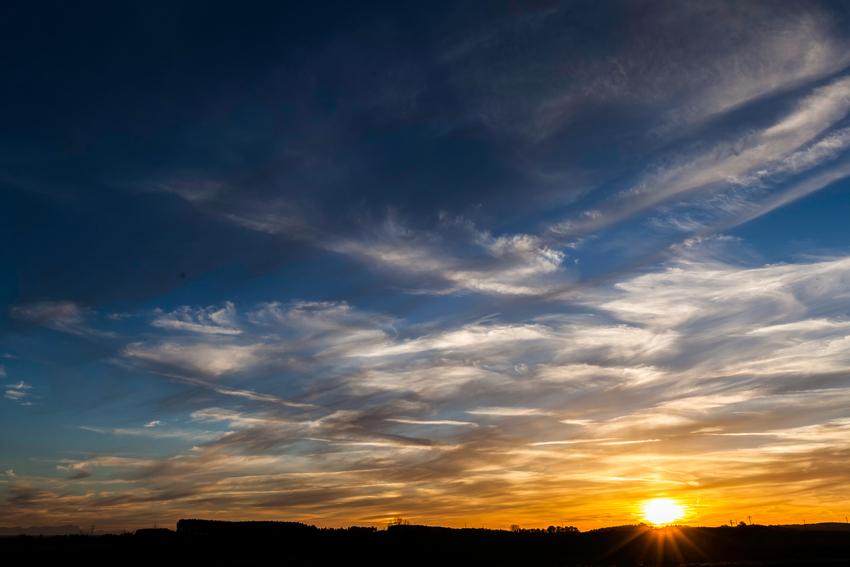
585,516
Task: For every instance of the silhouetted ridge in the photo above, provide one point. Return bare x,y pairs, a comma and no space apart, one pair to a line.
414,545
156,534
242,530
41,530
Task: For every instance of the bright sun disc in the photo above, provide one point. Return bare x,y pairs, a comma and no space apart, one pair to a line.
662,511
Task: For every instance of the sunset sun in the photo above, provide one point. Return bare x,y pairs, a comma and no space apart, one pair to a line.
660,511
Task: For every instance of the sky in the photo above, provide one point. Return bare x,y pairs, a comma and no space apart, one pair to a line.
469,263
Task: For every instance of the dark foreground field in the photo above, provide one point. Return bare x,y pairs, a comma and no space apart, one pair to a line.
287,543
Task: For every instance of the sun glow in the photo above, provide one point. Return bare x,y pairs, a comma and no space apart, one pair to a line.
661,511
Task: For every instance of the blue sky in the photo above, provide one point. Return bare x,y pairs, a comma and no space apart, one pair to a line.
488,263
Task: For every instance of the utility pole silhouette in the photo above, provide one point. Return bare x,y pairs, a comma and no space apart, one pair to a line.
92,530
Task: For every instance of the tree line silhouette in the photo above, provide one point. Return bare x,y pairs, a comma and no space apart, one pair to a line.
411,544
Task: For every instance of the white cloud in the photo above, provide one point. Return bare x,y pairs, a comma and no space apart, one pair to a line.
322,325
761,155
160,433
821,151
630,442
271,335
747,198
269,215
212,320
434,422
17,391
713,294
507,411
807,48
572,441
693,59
468,337
210,359
65,316
518,264
119,316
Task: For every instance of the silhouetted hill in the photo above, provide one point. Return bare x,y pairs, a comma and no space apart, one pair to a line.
42,530
822,527
253,530
301,544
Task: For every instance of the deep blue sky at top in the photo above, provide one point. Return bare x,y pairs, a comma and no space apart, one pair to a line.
102,102
103,99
